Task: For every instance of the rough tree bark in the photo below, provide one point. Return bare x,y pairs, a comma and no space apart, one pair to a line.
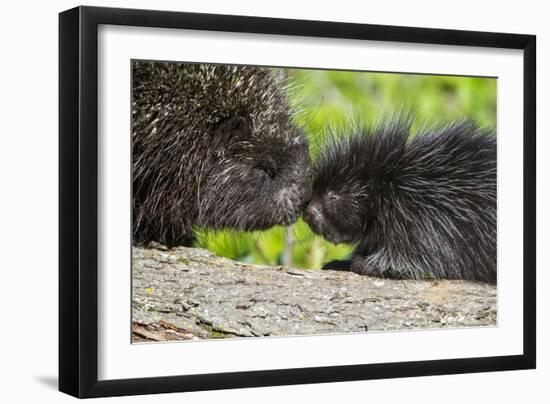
187,293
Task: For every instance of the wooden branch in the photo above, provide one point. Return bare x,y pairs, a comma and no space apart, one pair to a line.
187,293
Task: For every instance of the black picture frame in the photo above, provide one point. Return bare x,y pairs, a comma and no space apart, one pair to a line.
78,201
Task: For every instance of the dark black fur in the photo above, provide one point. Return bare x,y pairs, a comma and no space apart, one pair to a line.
213,146
420,207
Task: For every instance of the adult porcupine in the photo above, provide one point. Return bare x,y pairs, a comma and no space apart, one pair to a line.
419,208
214,146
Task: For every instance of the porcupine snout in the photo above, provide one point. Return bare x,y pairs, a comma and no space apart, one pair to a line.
293,198
313,216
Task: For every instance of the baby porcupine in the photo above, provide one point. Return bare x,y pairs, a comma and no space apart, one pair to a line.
213,146
421,207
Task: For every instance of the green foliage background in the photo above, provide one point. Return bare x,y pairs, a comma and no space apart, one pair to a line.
332,102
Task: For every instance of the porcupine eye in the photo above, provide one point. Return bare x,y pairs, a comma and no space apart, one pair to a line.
334,204
266,167
269,171
331,201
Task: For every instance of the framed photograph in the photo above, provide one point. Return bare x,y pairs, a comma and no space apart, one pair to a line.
251,201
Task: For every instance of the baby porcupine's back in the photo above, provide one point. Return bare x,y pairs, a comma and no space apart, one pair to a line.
416,207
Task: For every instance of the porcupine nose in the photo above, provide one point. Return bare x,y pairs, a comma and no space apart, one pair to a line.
312,214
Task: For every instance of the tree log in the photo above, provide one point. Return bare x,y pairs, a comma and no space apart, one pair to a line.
189,293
